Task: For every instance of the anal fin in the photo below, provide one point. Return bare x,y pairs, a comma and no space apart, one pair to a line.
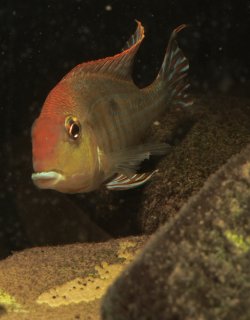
122,182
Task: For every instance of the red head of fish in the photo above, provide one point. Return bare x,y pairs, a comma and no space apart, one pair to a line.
59,141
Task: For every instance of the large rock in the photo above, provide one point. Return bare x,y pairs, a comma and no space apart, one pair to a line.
64,282
197,265
203,140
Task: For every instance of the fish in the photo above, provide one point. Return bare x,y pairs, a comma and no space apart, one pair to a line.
92,125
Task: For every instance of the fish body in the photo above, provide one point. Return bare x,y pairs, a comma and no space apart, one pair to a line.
92,123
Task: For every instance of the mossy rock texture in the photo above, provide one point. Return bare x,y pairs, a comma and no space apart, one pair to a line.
197,265
64,282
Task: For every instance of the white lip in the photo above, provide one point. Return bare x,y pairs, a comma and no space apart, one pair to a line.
52,176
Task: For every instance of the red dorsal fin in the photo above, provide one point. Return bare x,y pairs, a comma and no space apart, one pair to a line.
120,65
136,38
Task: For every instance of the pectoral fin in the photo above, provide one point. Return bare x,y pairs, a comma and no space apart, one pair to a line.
127,161
122,182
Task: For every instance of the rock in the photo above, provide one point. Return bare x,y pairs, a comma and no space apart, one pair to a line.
64,282
197,265
68,222
203,140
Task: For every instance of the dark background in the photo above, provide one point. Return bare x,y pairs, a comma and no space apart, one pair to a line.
42,40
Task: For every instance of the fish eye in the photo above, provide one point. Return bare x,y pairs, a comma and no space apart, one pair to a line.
73,127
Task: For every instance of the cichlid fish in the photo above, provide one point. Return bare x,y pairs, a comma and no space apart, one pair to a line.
92,123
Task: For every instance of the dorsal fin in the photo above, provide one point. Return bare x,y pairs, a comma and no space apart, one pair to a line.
120,65
136,37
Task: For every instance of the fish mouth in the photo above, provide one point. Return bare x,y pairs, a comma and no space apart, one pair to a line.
47,179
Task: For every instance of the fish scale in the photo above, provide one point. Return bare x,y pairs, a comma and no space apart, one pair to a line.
126,126
133,118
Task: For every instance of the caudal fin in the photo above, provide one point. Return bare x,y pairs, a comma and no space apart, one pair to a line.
173,72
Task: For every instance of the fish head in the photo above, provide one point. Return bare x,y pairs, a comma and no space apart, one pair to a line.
63,145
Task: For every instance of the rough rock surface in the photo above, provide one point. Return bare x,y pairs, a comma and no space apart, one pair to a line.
202,140
197,265
64,282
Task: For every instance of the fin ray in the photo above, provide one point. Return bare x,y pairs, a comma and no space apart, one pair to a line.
173,71
119,65
135,38
122,182
127,161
